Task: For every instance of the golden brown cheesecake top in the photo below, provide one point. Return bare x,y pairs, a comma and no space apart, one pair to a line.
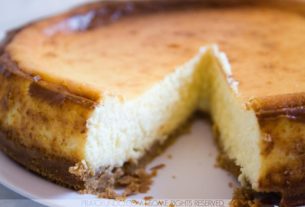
128,55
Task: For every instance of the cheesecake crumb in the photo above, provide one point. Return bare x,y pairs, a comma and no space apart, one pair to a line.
174,177
169,156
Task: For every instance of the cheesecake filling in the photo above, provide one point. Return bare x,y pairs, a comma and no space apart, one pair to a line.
121,131
238,128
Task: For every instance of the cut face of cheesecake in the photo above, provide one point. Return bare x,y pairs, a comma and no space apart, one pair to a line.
97,87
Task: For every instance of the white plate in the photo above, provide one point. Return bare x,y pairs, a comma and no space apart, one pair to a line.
193,155
192,164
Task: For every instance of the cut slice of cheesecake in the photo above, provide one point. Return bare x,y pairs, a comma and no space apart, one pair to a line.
88,91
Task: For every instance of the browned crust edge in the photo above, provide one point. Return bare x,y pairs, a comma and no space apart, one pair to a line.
33,156
291,106
47,91
37,160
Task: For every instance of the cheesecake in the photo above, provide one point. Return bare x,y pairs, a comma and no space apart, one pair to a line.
88,93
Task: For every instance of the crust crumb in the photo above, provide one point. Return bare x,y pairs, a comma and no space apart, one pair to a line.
139,182
243,197
171,205
120,198
109,193
135,202
157,167
80,170
148,198
231,185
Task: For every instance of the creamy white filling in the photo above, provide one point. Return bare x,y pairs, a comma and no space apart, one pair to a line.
123,130
238,127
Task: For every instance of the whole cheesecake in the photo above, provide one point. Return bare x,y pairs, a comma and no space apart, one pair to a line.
86,93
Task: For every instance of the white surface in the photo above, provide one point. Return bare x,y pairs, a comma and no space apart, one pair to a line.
17,12
193,155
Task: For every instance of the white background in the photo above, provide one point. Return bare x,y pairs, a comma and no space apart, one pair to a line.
17,12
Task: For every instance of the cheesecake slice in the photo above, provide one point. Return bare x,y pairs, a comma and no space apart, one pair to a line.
86,93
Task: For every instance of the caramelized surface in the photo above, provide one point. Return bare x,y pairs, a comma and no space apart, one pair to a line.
128,56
